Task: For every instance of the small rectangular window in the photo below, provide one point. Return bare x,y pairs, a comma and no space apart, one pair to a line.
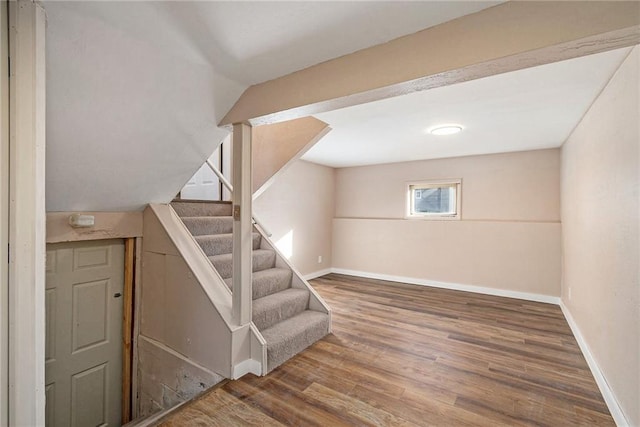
434,199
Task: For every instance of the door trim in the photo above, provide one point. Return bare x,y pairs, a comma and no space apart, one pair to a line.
137,300
26,348
4,211
127,327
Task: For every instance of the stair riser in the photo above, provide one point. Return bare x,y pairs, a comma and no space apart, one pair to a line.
282,350
263,286
264,317
209,225
201,209
261,261
222,243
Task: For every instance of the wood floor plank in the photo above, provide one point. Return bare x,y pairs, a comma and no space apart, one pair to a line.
367,414
412,355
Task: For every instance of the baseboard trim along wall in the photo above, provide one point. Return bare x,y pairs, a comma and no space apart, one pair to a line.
317,274
454,286
607,393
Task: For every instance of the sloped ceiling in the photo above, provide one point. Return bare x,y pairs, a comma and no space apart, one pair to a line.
255,41
135,89
127,122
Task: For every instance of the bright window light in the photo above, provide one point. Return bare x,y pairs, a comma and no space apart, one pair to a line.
285,244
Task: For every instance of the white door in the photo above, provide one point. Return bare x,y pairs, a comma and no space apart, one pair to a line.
83,353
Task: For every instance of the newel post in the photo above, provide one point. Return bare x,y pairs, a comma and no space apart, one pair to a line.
242,226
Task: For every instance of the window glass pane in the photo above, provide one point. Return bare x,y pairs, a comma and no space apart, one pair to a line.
434,200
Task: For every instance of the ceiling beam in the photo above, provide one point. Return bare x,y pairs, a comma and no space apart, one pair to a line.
507,37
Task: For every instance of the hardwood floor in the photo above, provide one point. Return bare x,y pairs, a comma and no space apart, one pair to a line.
404,355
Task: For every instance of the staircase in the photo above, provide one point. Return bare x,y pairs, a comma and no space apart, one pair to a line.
282,301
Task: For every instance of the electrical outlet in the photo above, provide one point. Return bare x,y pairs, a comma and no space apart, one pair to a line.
319,259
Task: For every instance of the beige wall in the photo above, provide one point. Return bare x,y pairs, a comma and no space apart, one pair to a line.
513,187
600,215
178,294
278,145
508,238
298,209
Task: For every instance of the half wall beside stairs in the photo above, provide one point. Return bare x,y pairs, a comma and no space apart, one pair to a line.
187,339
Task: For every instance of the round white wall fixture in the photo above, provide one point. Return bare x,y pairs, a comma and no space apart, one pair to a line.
442,130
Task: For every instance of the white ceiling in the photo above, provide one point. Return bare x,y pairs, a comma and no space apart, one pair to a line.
530,109
262,40
135,89
254,41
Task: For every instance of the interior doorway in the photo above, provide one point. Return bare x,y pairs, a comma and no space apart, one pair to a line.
204,184
84,333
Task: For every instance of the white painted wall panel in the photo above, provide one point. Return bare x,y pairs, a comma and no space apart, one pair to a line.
515,256
601,235
508,237
298,210
129,122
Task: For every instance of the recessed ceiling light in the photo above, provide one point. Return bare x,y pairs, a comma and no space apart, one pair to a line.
445,130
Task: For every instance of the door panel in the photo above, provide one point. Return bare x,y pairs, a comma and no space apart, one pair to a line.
84,284
89,397
90,257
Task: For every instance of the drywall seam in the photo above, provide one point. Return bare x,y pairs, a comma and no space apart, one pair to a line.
525,221
549,299
607,393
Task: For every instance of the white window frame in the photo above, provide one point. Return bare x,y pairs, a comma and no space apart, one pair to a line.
434,183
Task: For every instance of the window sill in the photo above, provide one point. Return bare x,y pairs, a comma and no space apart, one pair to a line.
433,218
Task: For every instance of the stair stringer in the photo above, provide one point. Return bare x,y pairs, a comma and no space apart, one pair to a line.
316,302
227,348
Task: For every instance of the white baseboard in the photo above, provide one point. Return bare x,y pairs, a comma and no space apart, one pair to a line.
607,393
454,286
316,274
248,366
